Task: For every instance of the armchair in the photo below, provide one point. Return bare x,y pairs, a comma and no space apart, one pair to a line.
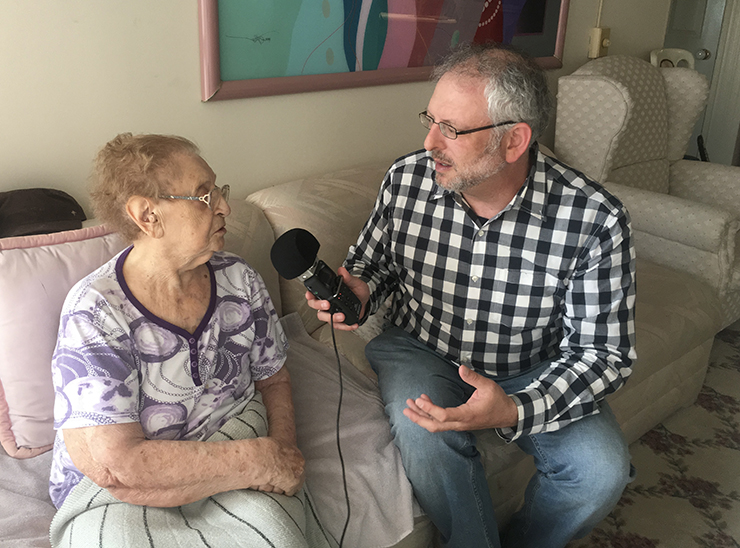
626,124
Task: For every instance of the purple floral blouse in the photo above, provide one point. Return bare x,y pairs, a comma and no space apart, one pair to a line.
115,362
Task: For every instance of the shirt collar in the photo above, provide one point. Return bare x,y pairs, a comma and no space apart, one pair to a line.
532,196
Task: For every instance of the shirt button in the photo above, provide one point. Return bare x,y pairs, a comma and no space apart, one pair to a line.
469,321
475,278
193,351
480,233
192,341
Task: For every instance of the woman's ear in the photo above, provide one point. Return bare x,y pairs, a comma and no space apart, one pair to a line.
517,141
142,211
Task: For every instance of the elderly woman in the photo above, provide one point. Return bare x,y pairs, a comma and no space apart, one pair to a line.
171,344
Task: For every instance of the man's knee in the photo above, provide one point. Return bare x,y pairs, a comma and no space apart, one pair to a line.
409,436
425,448
599,473
613,475
387,346
588,460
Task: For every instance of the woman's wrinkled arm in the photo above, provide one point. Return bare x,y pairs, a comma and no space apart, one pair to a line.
167,473
278,400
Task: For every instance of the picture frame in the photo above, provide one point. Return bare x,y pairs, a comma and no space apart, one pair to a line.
549,37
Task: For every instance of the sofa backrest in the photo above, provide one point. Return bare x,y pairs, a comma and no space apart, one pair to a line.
687,92
622,120
249,235
319,205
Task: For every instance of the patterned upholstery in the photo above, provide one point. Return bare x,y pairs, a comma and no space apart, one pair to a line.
686,91
627,123
588,137
636,147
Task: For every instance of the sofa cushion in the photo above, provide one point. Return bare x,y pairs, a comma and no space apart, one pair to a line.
380,494
671,303
676,318
37,273
249,235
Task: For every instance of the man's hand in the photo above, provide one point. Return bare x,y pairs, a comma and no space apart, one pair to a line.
357,286
488,407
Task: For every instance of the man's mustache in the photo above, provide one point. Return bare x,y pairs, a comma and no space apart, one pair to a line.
438,156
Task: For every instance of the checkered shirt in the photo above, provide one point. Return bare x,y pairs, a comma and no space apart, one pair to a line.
549,278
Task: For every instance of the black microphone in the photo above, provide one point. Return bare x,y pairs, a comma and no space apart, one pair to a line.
294,255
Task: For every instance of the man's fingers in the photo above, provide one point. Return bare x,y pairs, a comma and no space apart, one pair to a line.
473,378
412,406
316,304
429,423
322,313
441,414
430,416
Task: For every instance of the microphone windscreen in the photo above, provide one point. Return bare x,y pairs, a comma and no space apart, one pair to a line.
294,252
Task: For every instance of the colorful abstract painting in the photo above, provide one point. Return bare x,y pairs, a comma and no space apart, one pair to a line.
266,39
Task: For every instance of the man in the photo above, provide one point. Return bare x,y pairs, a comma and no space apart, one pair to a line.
512,279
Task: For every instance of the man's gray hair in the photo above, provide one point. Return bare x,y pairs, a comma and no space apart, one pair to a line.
516,87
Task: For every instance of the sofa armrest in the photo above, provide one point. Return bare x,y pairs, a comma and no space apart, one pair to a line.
692,237
707,183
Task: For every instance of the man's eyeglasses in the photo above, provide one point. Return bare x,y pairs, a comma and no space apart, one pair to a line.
450,132
210,199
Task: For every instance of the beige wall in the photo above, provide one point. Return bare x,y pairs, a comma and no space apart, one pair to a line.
74,73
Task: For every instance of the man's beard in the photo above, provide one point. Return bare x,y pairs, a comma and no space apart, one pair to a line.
488,164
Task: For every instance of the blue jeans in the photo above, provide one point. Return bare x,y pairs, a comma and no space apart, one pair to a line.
582,468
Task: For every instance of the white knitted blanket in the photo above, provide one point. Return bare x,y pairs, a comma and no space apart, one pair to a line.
91,516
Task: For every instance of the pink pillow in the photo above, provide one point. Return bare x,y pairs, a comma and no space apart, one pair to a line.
36,273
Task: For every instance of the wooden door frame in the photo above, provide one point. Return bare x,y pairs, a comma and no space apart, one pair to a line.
722,121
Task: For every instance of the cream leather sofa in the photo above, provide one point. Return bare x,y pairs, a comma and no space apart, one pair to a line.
677,318
677,315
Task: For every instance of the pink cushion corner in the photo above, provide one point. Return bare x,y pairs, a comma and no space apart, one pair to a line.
39,240
7,439
36,273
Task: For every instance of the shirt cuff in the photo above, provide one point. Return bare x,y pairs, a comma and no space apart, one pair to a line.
372,285
532,411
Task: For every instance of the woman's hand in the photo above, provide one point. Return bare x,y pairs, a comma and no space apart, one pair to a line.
165,473
285,467
168,473
356,285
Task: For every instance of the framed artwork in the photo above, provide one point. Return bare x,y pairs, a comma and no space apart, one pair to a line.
251,48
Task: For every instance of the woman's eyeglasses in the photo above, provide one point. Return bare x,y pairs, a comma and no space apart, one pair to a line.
210,199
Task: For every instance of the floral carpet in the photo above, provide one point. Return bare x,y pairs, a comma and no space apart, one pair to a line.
687,490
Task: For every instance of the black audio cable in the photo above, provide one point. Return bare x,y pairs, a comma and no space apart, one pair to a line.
339,446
